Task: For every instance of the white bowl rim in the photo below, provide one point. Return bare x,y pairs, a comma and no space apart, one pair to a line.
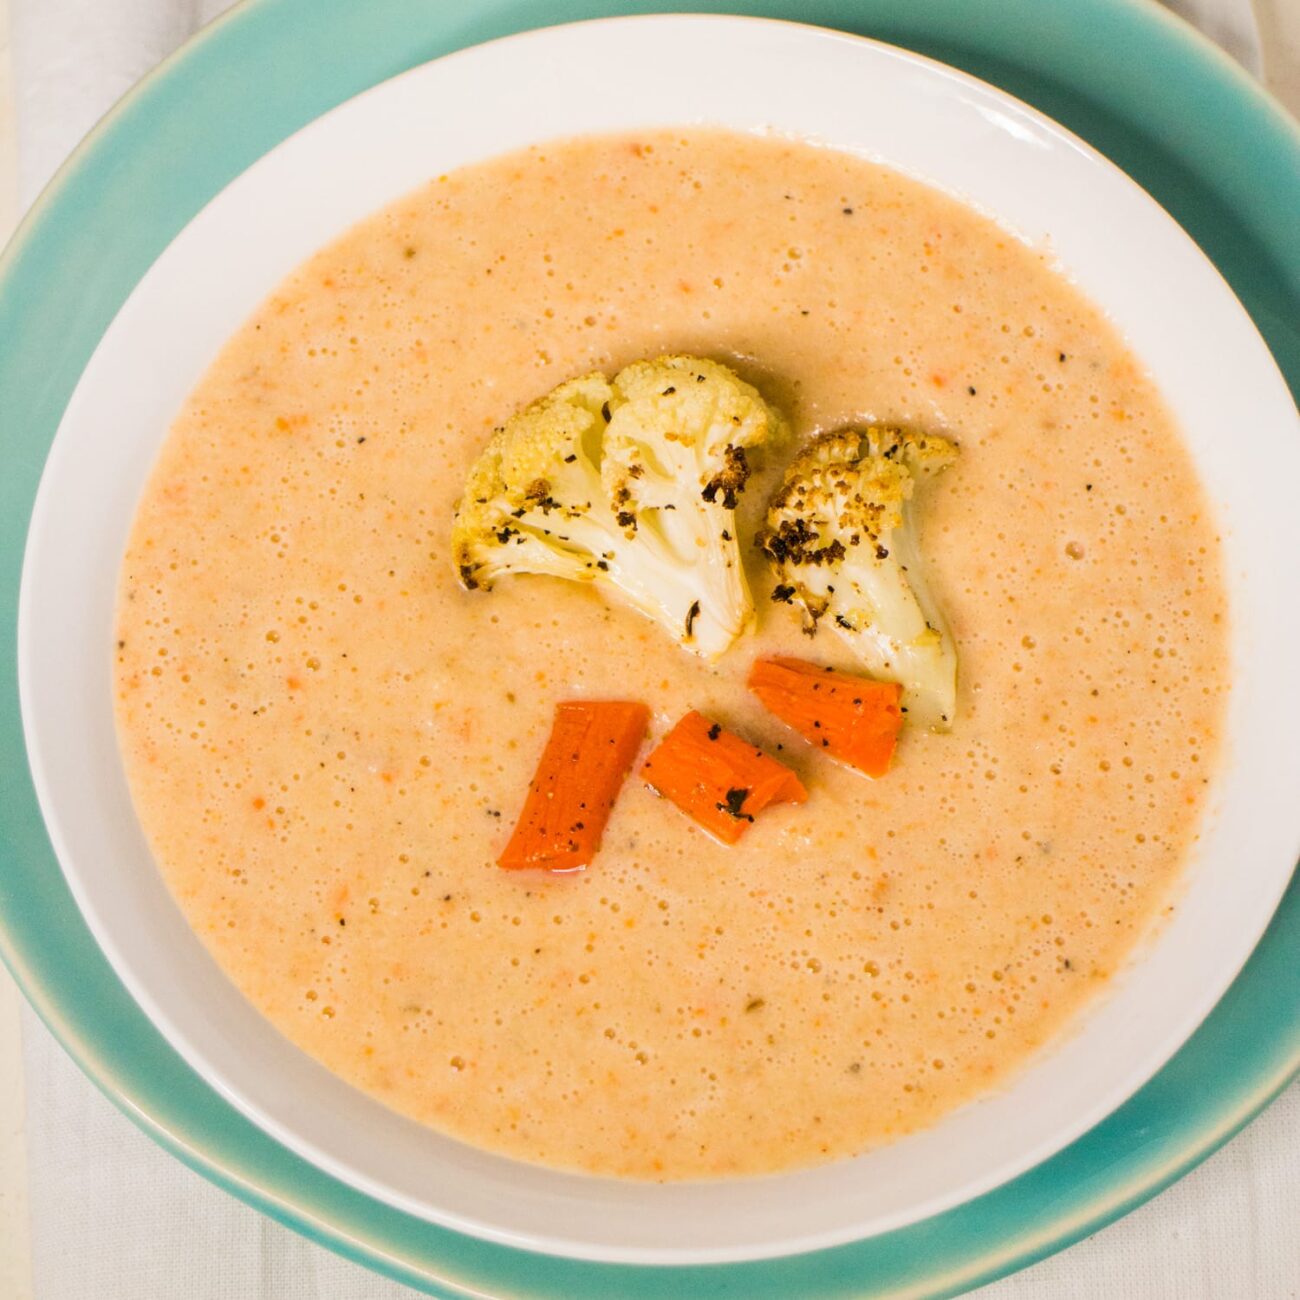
53,804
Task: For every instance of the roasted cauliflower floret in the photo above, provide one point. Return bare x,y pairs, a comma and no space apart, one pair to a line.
631,485
841,539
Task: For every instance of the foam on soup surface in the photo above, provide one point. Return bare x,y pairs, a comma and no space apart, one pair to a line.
328,740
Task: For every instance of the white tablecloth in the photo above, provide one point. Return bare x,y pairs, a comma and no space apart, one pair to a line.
113,1218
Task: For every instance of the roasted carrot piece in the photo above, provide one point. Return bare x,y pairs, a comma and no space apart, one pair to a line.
721,781
588,755
854,719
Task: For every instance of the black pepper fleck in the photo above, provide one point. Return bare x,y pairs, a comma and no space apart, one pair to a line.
733,804
691,615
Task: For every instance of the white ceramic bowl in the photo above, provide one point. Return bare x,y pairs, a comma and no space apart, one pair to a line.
921,117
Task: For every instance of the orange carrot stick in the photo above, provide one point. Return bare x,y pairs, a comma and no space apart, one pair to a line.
590,750
854,719
721,781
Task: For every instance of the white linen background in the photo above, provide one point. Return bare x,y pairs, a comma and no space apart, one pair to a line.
114,1218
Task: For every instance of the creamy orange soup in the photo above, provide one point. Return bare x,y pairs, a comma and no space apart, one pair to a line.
328,740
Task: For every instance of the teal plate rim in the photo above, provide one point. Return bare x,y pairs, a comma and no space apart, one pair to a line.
1142,87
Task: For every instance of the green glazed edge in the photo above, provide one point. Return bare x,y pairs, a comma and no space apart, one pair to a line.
270,66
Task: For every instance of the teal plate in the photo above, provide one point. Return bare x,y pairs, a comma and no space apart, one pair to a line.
1147,91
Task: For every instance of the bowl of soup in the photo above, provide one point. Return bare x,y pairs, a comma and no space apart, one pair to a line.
280,746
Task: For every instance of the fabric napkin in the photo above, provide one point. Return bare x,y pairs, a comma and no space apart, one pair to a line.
114,1218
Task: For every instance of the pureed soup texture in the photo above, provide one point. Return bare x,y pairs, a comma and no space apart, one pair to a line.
328,740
